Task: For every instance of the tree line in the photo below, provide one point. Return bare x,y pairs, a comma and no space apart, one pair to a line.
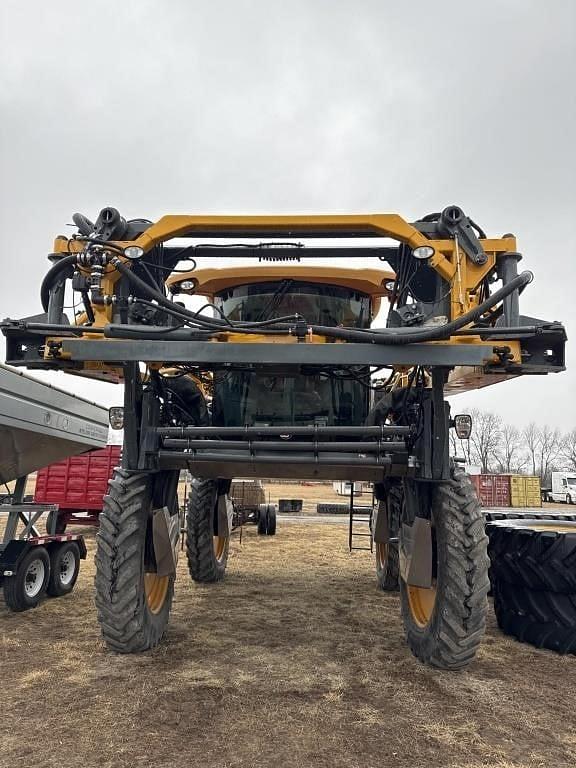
498,447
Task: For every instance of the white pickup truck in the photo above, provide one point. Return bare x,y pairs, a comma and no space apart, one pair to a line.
563,487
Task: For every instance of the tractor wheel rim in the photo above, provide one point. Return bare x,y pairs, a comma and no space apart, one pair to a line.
67,568
156,590
421,602
219,543
34,578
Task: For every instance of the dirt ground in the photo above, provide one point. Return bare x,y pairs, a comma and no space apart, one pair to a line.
295,660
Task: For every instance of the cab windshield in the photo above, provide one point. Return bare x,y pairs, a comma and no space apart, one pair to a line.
318,304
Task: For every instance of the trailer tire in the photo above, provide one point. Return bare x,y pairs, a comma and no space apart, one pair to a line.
55,523
27,587
524,553
386,555
543,619
263,520
206,551
64,568
271,514
132,600
444,625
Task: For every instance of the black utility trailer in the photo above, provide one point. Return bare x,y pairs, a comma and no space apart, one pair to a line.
39,424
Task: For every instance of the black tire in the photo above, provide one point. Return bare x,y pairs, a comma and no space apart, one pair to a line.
55,523
449,635
64,568
271,529
524,553
263,520
543,619
386,555
27,587
133,602
207,553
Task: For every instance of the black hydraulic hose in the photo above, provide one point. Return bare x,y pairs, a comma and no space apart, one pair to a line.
439,333
386,336
52,275
212,323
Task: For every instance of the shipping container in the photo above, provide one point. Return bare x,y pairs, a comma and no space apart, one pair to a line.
78,483
492,490
525,491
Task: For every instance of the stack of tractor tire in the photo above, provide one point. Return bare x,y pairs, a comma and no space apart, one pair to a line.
533,576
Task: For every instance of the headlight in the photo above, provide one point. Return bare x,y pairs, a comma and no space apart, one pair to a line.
187,285
463,426
133,252
116,417
423,252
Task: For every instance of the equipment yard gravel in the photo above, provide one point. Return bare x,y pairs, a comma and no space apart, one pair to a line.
296,659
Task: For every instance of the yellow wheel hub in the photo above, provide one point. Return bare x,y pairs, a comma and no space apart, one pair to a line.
155,589
219,546
422,602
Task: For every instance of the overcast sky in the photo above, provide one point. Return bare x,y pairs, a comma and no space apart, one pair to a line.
189,106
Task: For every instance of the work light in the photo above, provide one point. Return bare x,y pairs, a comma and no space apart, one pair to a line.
423,252
133,252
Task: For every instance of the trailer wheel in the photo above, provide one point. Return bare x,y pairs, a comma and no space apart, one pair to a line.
207,551
55,523
271,514
445,623
263,520
64,568
386,555
133,601
26,588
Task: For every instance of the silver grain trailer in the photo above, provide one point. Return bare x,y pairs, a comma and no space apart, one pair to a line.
39,424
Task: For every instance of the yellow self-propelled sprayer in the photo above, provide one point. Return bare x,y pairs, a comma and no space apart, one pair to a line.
274,377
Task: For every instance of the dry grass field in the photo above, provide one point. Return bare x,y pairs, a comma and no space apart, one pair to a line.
296,659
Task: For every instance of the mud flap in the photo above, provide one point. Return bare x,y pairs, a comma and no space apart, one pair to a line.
380,529
225,511
415,553
165,534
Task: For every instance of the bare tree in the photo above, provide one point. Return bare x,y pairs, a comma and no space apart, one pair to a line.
485,439
568,450
548,450
510,455
530,435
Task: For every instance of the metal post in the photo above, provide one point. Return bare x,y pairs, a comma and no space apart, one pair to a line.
507,270
132,411
440,426
350,529
56,303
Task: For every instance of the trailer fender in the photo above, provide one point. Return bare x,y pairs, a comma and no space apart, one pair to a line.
11,556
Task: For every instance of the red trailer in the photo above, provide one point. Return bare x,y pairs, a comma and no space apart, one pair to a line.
77,486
